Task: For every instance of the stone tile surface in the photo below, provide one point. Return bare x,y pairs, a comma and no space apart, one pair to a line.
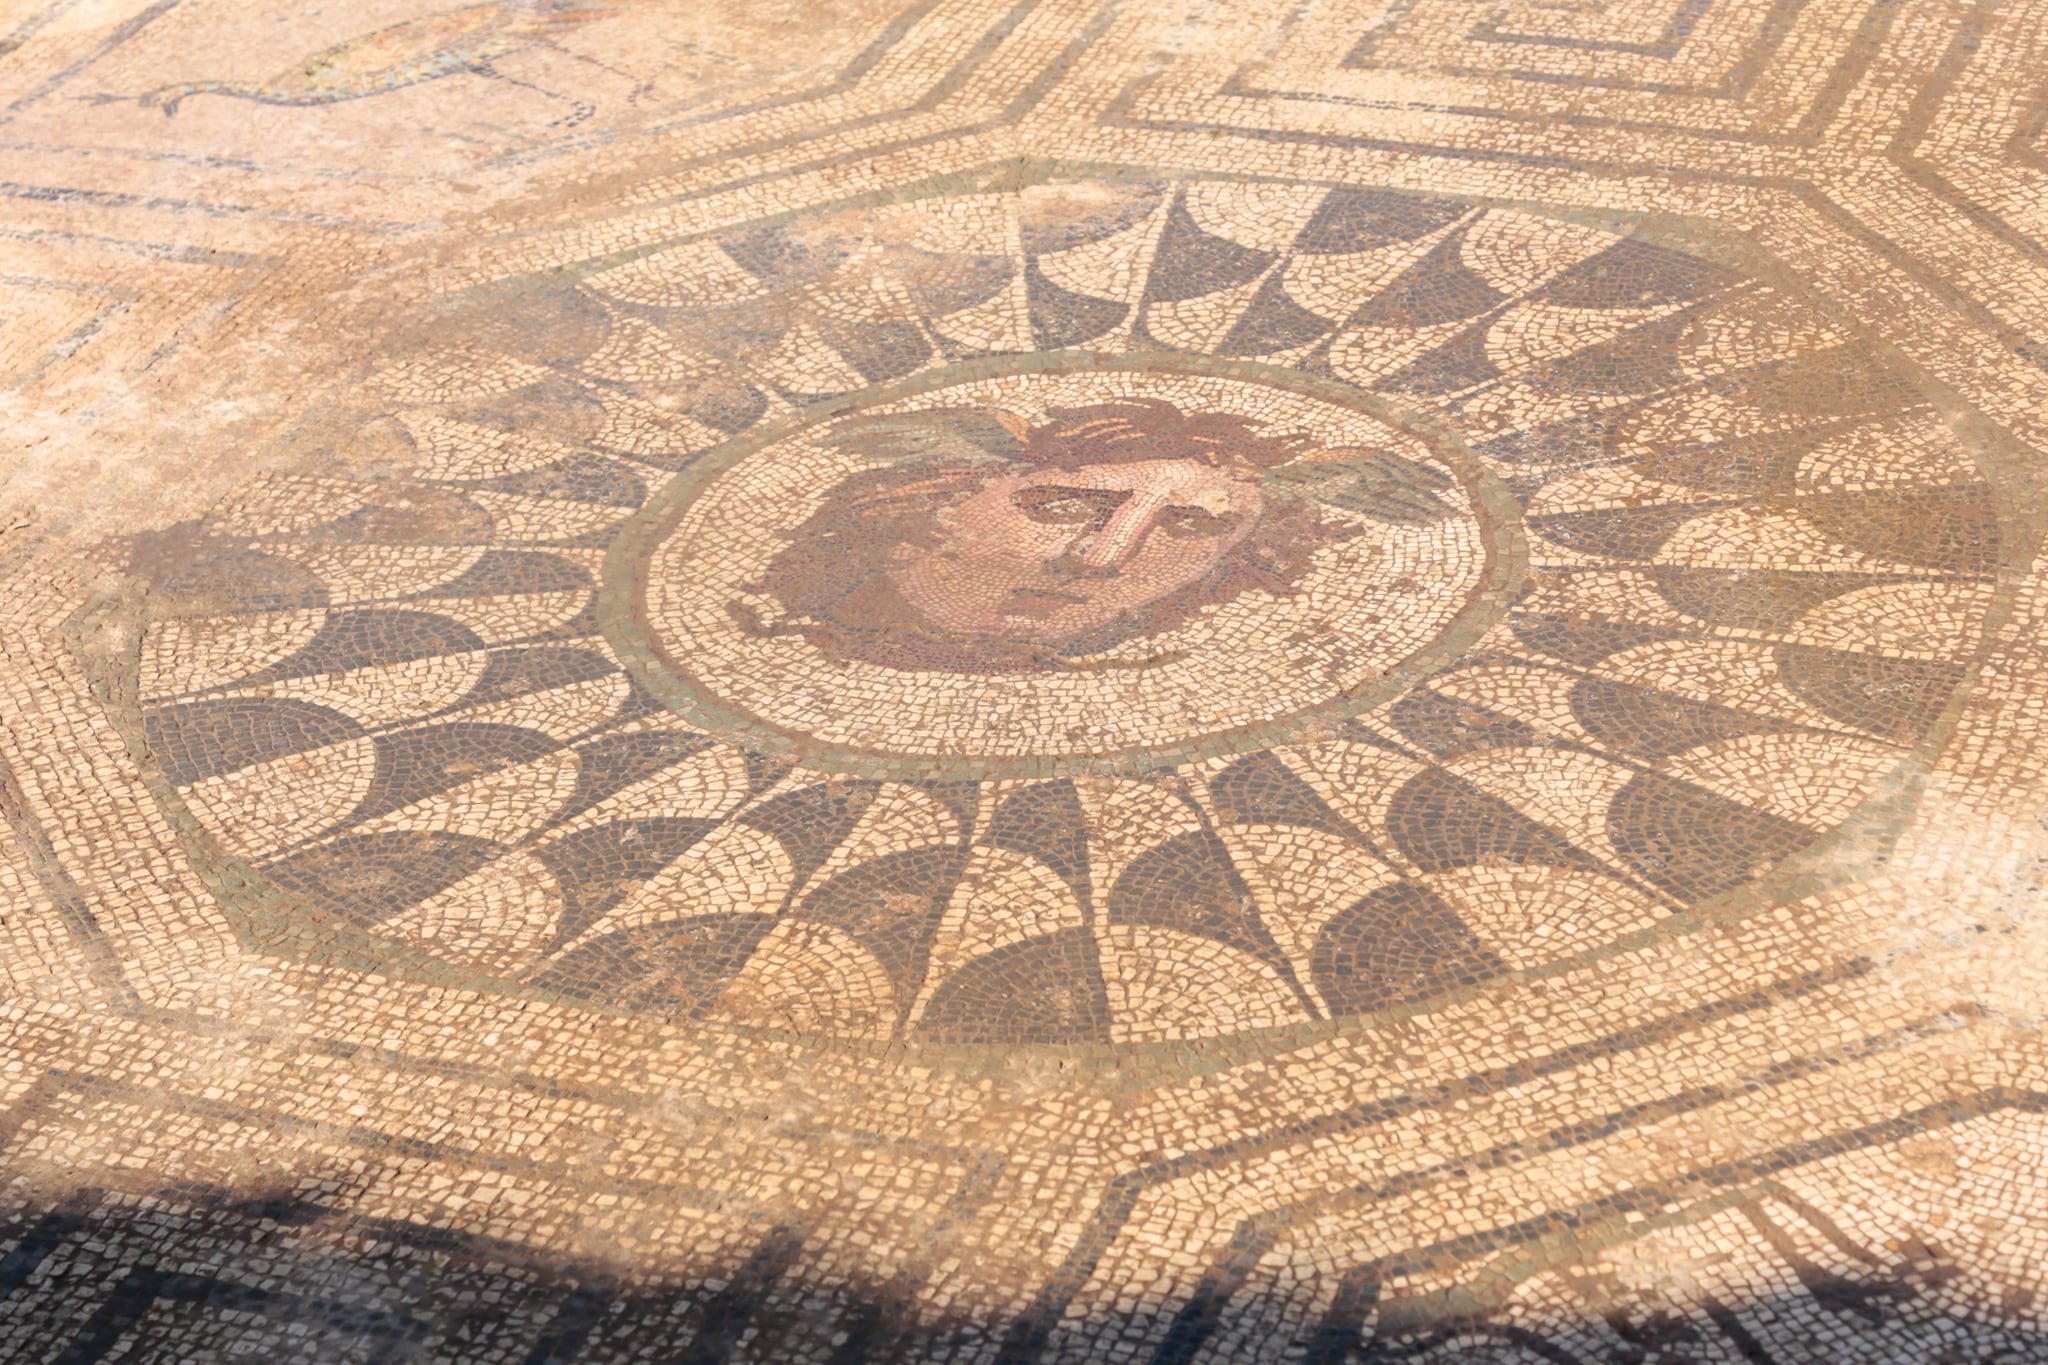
1040,681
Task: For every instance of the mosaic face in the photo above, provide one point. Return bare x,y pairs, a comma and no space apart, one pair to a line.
1080,535
1012,567
1009,561
1109,523
1055,557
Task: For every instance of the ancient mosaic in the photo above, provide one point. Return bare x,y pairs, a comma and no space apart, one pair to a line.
1023,683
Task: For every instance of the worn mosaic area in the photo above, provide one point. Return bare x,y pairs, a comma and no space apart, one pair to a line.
1035,682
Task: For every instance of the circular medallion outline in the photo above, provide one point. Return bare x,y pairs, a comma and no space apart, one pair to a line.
623,598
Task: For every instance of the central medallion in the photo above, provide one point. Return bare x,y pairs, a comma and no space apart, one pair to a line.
1058,564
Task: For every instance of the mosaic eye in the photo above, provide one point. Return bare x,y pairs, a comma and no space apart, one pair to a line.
1055,506
1196,523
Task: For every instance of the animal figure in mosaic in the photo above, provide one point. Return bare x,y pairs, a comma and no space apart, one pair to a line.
466,40
978,541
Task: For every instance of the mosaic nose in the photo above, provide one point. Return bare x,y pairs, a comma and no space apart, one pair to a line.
1106,548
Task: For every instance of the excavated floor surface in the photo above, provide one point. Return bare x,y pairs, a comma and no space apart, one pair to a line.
1023,681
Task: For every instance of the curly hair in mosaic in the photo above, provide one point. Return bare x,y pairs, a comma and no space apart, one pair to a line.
831,578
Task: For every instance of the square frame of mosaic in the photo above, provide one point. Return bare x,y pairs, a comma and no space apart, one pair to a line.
1362,1062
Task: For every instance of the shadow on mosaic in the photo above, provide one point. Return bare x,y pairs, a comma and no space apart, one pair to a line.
863,681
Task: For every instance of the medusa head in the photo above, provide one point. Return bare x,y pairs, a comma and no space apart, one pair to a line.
978,542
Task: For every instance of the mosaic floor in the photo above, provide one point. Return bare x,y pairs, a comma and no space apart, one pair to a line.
1024,681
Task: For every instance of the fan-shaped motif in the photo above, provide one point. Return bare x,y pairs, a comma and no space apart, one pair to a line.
1713,486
